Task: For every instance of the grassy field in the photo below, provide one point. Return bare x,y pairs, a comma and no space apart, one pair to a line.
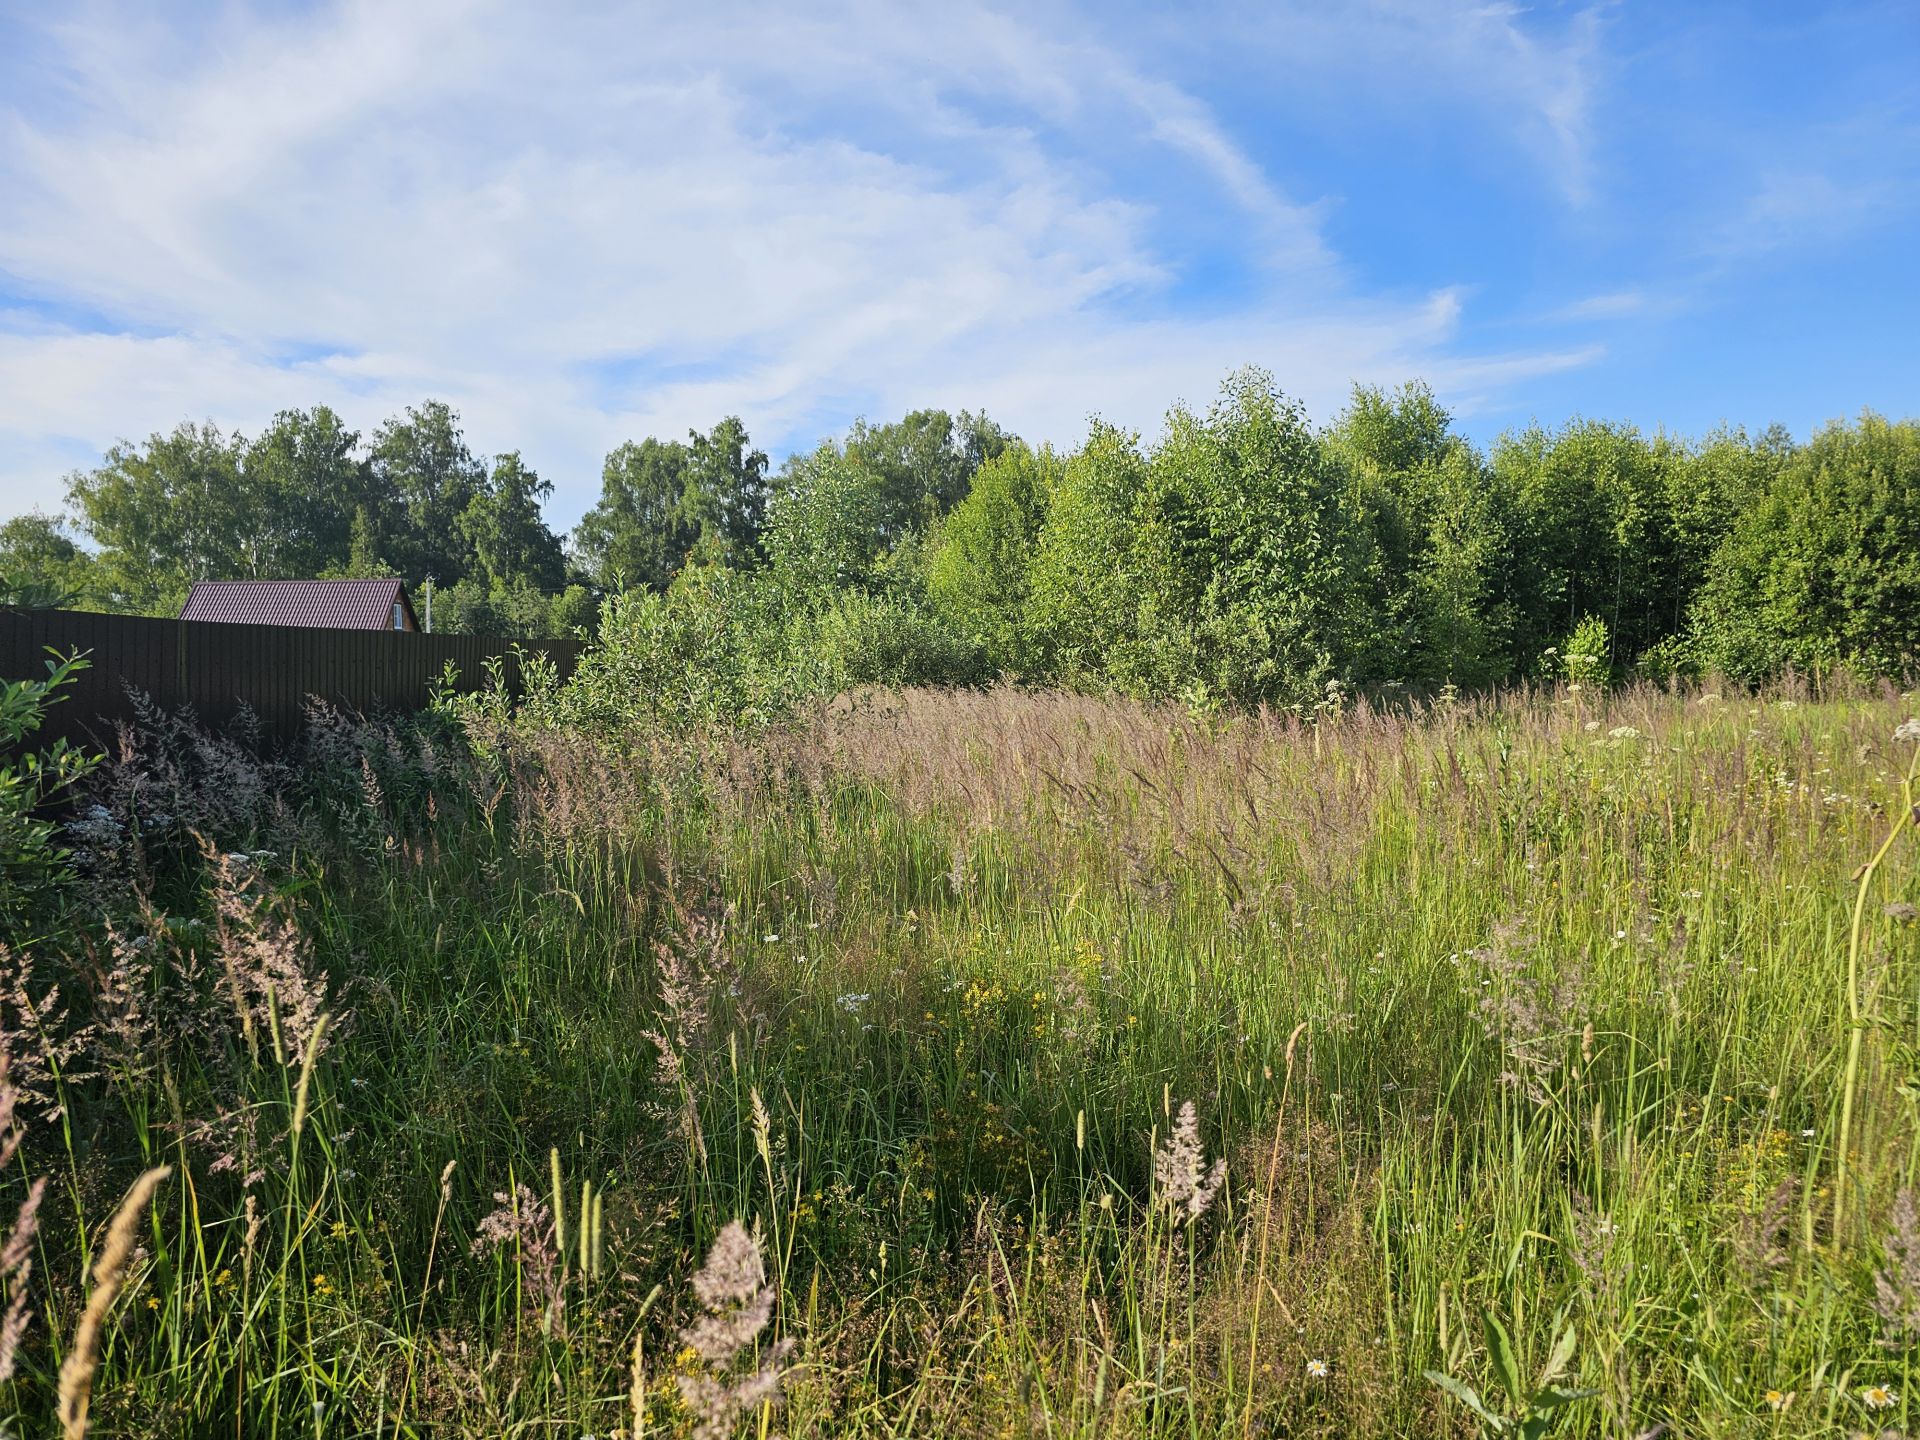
1074,1067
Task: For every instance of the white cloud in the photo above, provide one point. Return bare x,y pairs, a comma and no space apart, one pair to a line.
583,224
1538,81
1611,305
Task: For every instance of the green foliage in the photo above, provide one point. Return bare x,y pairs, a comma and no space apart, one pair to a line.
1221,566
919,468
1442,531
40,566
638,533
426,477
727,494
1585,656
503,526
710,650
1236,558
1084,583
1824,569
574,609
1529,1412
308,488
166,514
302,501
827,525
1248,564
867,639
978,579
510,608
33,864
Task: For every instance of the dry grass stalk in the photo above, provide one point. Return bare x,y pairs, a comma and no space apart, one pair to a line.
109,1269
1181,1181
1896,1286
737,1303
16,1268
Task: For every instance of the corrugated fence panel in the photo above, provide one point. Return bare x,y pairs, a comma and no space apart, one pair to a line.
218,668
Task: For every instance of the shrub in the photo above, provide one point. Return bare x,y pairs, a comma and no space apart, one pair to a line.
33,865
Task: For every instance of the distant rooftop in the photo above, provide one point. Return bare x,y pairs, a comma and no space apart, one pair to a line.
322,604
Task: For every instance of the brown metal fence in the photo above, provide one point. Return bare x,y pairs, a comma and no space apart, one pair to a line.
217,669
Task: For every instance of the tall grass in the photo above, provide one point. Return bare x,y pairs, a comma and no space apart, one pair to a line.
1564,1038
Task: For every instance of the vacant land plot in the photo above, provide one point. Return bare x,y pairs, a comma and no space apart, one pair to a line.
1072,1067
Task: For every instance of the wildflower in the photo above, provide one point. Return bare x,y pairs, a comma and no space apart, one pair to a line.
1623,732
1318,1369
1879,1397
1908,729
1779,1399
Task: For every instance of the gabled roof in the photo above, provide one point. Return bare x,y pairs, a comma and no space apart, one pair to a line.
327,604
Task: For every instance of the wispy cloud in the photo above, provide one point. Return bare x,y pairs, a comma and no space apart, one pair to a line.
583,224
1612,305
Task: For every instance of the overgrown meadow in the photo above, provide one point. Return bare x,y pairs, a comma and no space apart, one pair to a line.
979,1063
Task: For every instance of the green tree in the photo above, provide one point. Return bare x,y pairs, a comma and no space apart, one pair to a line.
424,478
506,531
305,485
827,526
165,514
1250,562
639,532
978,573
726,494
1593,534
1461,622
921,465
1825,568
1438,535
40,565
1085,589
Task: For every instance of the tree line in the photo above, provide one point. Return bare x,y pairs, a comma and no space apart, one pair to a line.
1241,556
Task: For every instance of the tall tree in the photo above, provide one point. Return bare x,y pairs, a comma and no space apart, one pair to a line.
639,532
978,575
41,566
506,531
165,514
726,494
826,527
1252,565
306,483
424,478
1825,568
922,464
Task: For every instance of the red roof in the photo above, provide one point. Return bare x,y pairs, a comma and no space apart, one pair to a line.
327,604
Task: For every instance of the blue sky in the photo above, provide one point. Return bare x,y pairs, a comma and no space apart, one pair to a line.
584,223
